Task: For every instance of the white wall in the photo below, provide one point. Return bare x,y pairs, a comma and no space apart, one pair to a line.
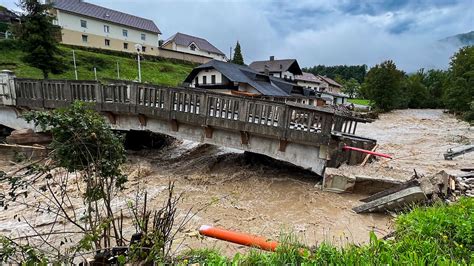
308,84
288,74
186,49
208,74
96,27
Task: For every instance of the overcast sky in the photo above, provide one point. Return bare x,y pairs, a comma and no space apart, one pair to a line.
330,32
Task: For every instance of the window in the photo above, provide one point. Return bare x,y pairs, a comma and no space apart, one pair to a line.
106,29
107,42
204,79
192,47
125,45
125,33
83,24
213,79
84,38
143,36
144,49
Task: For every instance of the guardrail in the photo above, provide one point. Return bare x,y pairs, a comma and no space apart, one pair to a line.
288,121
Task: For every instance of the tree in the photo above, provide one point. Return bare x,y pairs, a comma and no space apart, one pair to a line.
414,92
383,85
460,92
436,81
38,38
351,87
238,58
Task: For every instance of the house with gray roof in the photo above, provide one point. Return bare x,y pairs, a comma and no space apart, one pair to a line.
280,68
193,45
89,25
229,78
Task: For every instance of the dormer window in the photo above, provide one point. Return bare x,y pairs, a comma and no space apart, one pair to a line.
192,47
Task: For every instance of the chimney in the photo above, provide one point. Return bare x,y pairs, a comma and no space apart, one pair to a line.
272,58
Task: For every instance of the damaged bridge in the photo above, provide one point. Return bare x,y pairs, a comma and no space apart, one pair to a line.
310,137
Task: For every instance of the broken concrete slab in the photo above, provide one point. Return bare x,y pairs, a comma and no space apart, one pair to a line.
360,184
370,185
339,183
408,184
28,137
394,201
456,151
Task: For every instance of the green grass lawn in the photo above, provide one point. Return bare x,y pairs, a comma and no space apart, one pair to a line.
359,101
163,72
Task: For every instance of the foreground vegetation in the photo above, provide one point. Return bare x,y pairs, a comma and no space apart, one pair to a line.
438,235
157,71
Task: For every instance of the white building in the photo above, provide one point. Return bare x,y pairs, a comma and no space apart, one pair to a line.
193,45
90,25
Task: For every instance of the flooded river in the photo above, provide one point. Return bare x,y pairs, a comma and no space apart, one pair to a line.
262,196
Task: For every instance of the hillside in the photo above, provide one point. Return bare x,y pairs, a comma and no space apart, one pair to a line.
154,70
460,39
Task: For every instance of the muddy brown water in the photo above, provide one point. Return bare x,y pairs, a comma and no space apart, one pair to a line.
265,197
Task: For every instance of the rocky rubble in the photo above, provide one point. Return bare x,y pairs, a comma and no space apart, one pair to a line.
464,185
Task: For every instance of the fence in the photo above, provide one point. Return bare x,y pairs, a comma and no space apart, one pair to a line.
193,106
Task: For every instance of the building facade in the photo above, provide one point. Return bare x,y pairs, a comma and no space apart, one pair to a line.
281,68
228,78
88,25
309,81
193,45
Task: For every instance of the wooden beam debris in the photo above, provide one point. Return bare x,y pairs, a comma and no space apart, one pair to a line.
456,151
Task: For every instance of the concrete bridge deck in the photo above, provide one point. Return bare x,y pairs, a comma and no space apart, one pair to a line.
310,137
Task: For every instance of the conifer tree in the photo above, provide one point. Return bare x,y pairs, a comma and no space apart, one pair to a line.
38,38
238,58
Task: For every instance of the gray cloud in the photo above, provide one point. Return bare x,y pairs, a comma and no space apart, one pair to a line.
315,31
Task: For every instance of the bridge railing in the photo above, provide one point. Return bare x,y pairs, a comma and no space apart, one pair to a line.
278,119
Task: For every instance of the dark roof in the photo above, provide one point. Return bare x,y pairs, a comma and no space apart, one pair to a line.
105,14
266,85
309,77
186,40
281,65
7,15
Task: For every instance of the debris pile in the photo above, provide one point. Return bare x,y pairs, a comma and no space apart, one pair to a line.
464,185
419,189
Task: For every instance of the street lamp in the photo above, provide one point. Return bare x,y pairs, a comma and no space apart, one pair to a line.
138,47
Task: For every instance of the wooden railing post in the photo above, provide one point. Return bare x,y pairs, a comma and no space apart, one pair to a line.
133,90
40,91
326,124
99,95
204,105
67,92
243,110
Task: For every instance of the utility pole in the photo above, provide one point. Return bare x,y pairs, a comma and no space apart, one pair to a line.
74,60
230,54
118,71
139,49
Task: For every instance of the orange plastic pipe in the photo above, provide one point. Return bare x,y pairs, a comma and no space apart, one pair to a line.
238,238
